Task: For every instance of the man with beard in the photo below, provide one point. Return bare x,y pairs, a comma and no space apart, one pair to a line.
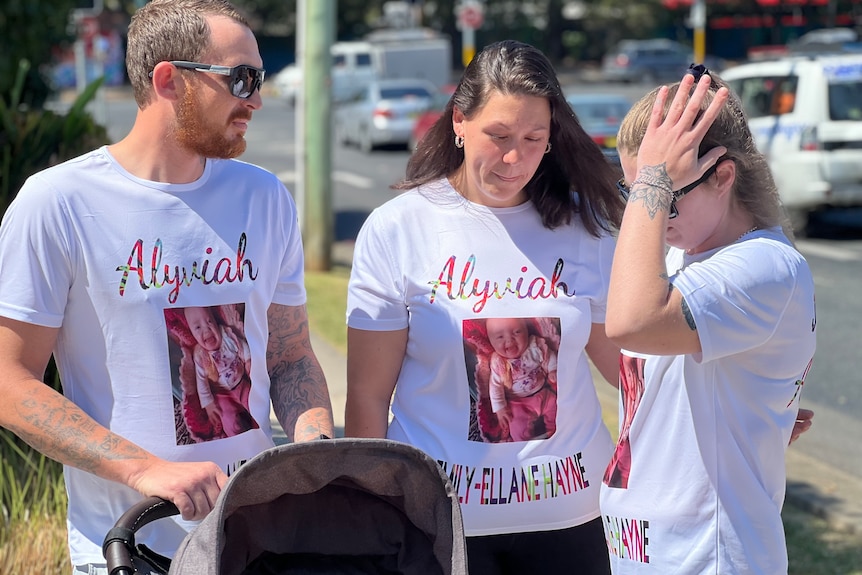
100,255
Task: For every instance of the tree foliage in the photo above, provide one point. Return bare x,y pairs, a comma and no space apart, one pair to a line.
540,22
566,30
28,31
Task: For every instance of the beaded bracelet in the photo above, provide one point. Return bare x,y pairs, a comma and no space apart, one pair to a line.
653,183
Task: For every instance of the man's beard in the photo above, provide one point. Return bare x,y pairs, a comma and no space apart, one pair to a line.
196,134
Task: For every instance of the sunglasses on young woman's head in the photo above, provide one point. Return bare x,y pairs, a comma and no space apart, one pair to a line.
625,190
243,80
697,70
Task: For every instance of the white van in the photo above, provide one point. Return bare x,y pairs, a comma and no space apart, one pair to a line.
805,113
353,68
384,54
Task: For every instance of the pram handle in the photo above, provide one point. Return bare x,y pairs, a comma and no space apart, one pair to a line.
119,543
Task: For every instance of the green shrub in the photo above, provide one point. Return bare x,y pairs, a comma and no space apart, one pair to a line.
32,140
32,494
33,29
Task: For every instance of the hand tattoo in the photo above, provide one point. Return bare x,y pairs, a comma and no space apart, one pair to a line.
654,187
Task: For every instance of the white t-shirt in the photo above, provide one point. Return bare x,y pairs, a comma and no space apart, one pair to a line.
111,260
438,264
700,486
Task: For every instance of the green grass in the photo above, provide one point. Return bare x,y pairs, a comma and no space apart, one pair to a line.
327,305
813,547
816,549
32,511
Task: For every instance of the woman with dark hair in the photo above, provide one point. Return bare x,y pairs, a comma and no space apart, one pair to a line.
507,212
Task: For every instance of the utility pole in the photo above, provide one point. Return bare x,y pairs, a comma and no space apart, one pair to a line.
469,16
698,23
314,130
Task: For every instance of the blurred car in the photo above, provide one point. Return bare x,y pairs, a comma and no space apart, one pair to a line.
651,61
383,113
805,113
286,83
824,39
429,116
346,81
601,115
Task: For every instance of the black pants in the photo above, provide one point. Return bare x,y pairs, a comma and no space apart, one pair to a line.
579,550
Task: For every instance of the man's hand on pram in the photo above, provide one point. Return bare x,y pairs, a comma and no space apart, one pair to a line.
192,486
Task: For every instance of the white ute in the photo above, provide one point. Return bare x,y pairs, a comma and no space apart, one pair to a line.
806,116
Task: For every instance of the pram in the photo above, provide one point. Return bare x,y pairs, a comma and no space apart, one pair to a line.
346,506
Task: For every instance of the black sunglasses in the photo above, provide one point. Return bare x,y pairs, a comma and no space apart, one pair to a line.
244,79
624,190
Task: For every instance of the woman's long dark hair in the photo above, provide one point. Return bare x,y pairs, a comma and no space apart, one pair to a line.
573,178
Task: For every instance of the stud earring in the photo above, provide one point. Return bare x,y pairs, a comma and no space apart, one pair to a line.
459,141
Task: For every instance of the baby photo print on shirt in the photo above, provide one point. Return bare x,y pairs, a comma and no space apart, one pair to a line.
511,365
210,372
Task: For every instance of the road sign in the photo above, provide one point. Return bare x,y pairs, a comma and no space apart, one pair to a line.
471,15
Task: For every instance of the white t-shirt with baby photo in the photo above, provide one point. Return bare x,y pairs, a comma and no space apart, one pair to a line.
111,260
440,265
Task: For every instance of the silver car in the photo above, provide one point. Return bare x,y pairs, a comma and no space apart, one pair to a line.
383,113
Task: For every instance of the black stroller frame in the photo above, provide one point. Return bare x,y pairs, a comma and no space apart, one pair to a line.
348,506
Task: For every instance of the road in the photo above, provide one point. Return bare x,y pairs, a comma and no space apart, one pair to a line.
834,252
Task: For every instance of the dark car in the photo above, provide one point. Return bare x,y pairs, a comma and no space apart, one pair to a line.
651,61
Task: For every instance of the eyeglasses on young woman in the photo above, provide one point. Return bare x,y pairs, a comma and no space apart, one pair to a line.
625,190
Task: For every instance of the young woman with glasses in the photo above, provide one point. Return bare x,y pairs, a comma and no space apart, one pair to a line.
714,310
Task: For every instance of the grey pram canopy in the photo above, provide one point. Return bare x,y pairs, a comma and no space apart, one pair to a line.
348,506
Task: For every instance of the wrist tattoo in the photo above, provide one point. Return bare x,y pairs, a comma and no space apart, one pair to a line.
655,176
653,186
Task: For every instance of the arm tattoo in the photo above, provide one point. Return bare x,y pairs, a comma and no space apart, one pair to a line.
300,397
686,313
61,430
654,188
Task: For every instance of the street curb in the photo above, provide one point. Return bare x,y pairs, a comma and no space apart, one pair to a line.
826,492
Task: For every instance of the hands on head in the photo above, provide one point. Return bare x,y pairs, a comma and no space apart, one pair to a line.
669,153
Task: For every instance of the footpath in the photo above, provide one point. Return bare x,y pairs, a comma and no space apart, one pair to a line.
811,485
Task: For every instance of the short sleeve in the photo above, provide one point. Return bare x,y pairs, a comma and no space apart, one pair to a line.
291,282
739,296
376,298
36,256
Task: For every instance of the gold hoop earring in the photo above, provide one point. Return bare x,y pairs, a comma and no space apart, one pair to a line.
548,148
459,141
